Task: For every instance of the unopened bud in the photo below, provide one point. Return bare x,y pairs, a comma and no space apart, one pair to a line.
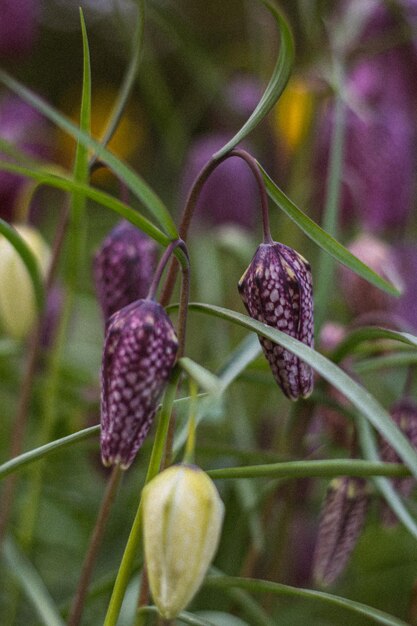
404,415
17,298
182,520
139,353
123,267
277,290
341,524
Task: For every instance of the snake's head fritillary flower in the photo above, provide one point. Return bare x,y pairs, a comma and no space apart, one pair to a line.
342,520
404,415
123,267
277,290
139,353
182,520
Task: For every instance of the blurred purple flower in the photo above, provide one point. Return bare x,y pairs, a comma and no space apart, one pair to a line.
18,26
26,130
380,152
123,267
230,193
243,94
50,321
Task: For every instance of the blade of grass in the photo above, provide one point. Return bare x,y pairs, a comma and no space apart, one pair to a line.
276,85
367,333
266,586
124,172
30,581
205,379
325,241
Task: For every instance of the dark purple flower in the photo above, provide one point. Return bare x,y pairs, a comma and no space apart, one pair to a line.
26,130
277,290
341,523
230,193
139,353
243,94
123,267
18,26
404,415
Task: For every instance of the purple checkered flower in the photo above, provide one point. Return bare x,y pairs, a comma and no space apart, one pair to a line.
139,353
277,290
342,520
404,415
123,268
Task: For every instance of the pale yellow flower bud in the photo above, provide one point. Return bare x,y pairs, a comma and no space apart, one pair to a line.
182,519
17,299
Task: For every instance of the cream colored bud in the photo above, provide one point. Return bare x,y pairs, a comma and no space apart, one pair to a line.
182,519
17,299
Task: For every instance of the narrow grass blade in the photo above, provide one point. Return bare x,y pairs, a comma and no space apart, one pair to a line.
276,85
368,333
324,240
133,181
32,584
205,379
266,586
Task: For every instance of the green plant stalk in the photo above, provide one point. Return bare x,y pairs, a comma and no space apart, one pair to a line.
325,270
135,535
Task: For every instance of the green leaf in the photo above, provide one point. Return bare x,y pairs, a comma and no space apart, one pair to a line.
276,85
367,333
324,240
124,172
32,584
36,454
129,77
358,395
28,259
386,489
312,469
184,617
67,184
77,226
399,359
205,379
266,586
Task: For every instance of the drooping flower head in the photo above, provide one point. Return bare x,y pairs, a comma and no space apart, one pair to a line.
342,519
404,415
277,290
182,520
139,353
123,267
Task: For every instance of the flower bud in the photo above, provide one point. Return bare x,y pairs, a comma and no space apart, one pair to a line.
17,298
182,519
123,267
404,415
341,524
360,296
277,290
139,353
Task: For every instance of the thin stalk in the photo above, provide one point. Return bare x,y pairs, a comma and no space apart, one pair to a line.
162,264
332,203
94,546
133,541
190,445
192,200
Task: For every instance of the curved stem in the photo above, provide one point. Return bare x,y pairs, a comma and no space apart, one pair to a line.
162,264
192,200
95,543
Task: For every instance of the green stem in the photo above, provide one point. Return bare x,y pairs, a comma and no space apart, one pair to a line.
132,546
332,203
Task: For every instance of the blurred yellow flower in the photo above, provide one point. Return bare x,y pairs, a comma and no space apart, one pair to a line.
293,113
